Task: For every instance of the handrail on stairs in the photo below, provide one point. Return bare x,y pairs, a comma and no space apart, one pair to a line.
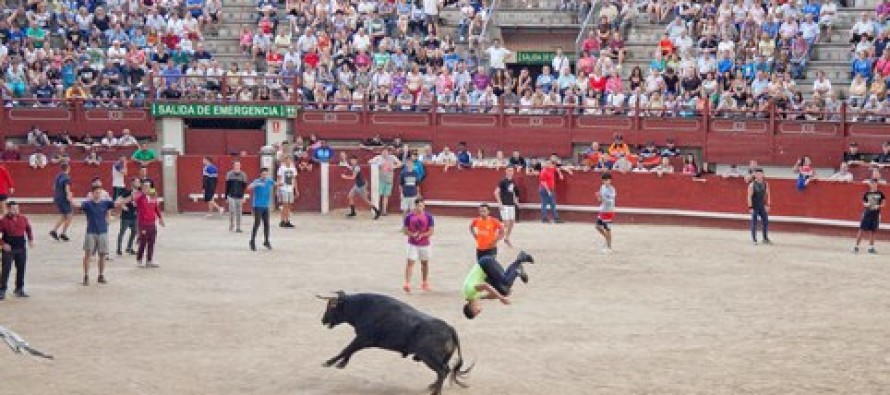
483,35
585,26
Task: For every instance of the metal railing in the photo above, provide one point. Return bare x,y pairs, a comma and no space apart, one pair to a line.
483,35
585,27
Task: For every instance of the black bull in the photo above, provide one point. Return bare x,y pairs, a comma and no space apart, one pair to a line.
384,322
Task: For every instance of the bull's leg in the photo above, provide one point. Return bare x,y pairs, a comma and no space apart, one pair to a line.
356,345
441,370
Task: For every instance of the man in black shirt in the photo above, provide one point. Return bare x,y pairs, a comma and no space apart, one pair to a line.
105,93
128,217
508,197
853,157
43,92
87,75
873,201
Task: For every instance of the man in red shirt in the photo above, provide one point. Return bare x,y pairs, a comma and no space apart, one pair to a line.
148,215
14,227
547,184
7,187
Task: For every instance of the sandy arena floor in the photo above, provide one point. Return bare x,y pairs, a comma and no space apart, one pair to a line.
673,311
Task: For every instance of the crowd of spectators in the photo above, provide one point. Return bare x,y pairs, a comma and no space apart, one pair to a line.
98,51
41,149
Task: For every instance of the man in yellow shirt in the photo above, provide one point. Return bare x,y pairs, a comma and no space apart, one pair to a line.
487,280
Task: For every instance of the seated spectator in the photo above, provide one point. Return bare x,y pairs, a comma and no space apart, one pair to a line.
60,156
732,172
690,167
37,160
516,161
649,157
372,143
93,158
805,172
622,164
464,157
875,175
63,139
618,148
37,138
127,139
594,157
144,155
446,158
109,141
10,152
842,175
853,157
670,150
665,167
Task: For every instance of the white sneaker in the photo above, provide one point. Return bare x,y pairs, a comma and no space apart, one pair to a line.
606,250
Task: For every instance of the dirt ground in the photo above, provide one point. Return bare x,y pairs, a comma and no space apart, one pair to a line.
673,311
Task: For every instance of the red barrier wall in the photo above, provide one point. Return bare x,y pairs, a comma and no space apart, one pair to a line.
31,183
78,120
222,141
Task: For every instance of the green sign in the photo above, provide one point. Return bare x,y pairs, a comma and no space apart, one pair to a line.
538,57
197,110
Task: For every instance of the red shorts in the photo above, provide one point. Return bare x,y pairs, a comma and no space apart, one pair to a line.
606,217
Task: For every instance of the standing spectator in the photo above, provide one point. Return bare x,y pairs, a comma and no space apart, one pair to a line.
419,227
209,179
149,214
128,216
262,200
287,190
497,56
236,183
606,215
7,187
408,183
62,197
758,205
507,196
873,200
15,227
359,188
843,174
118,177
487,231
388,163
96,239
546,187
144,155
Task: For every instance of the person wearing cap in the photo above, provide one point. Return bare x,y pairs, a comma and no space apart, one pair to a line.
873,201
15,229
853,157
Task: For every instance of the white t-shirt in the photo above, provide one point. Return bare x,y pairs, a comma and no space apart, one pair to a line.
287,175
117,175
431,7
497,56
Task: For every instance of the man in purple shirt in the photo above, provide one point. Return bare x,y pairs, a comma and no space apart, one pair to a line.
418,226
481,79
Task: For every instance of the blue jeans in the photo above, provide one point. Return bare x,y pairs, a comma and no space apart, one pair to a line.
548,199
495,275
761,213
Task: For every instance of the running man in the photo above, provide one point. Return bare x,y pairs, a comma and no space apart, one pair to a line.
487,231
758,205
508,198
873,200
287,190
128,217
62,197
209,179
419,227
96,240
236,184
408,179
358,189
262,199
388,163
149,213
15,227
488,280
606,215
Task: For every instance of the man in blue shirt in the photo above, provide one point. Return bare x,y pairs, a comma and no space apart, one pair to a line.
96,240
408,180
261,189
464,158
323,153
62,198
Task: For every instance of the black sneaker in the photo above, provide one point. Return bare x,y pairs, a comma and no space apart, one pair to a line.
376,212
267,245
120,253
523,275
252,245
352,214
54,235
131,251
64,237
282,224
288,225
101,279
86,281
524,257
20,293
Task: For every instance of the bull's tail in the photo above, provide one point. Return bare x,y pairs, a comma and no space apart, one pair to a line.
456,373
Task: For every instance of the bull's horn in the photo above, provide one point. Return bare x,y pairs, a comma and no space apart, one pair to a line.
325,297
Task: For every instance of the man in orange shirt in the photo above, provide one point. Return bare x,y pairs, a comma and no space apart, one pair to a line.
487,231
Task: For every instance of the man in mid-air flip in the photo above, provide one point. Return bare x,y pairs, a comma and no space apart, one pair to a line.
488,280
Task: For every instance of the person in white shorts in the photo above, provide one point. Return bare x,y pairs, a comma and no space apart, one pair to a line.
287,191
408,184
418,226
508,197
